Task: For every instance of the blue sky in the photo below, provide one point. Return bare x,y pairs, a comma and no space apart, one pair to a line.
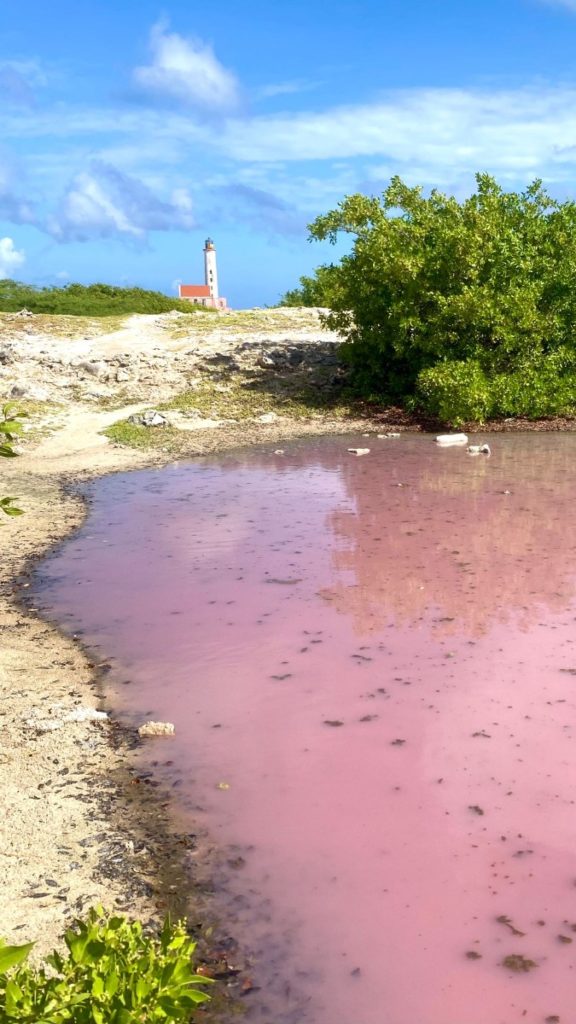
130,131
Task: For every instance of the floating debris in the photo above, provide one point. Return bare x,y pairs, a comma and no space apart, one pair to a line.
479,449
503,919
284,583
475,808
334,722
359,451
518,963
472,955
156,729
448,439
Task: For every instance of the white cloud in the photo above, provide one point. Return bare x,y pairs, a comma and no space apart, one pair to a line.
285,88
102,202
10,257
186,70
525,132
569,4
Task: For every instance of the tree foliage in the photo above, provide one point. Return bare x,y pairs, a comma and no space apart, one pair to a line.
319,290
438,295
88,300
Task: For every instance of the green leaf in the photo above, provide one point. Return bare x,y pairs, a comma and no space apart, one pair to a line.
11,956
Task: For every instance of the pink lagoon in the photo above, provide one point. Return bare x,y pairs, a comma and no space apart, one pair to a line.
371,667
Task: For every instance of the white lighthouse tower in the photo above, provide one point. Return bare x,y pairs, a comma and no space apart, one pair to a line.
205,294
210,269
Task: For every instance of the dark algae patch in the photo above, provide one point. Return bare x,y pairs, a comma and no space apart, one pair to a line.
518,963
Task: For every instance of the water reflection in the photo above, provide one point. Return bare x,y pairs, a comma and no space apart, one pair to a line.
398,755
465,541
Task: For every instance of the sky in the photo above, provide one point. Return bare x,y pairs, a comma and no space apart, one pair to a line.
129,132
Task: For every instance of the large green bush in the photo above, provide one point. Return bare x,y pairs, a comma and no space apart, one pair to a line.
455,392
432,281
113,973
89,300
461,392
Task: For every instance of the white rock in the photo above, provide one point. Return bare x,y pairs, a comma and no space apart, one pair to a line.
85,715
381,436
267,417
33,391
479,449
448,439
95,368
156,729
150,418
359,451
59,717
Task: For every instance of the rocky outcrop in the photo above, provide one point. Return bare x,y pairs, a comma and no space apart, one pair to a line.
151,357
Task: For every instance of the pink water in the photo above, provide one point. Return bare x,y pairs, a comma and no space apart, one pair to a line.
426,601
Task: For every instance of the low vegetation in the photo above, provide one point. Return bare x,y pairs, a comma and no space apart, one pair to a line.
239,397
10,429
89,300
463,309
112,973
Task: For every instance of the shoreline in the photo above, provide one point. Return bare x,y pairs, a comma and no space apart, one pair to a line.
83,826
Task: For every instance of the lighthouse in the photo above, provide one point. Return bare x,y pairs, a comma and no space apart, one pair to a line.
210,269
205,294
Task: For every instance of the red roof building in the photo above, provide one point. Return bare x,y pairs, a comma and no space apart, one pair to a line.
194,291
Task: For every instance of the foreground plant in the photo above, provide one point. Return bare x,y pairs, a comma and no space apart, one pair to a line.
10,427
113,974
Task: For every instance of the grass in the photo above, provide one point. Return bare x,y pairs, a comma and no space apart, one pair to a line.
133,436
59,326
36,422
241,398
244,396
246,321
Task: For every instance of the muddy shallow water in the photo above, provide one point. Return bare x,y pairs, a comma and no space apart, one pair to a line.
371,666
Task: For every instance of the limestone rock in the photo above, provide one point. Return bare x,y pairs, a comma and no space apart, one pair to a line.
150,418
156,729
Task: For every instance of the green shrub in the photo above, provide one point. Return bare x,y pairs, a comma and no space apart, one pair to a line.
544,387
89,300
457,392
113,974
429,278
10,428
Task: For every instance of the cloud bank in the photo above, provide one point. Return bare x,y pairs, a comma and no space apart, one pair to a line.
186,70
103,202
10,258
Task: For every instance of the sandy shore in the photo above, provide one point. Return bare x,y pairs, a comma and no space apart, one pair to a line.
78,828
